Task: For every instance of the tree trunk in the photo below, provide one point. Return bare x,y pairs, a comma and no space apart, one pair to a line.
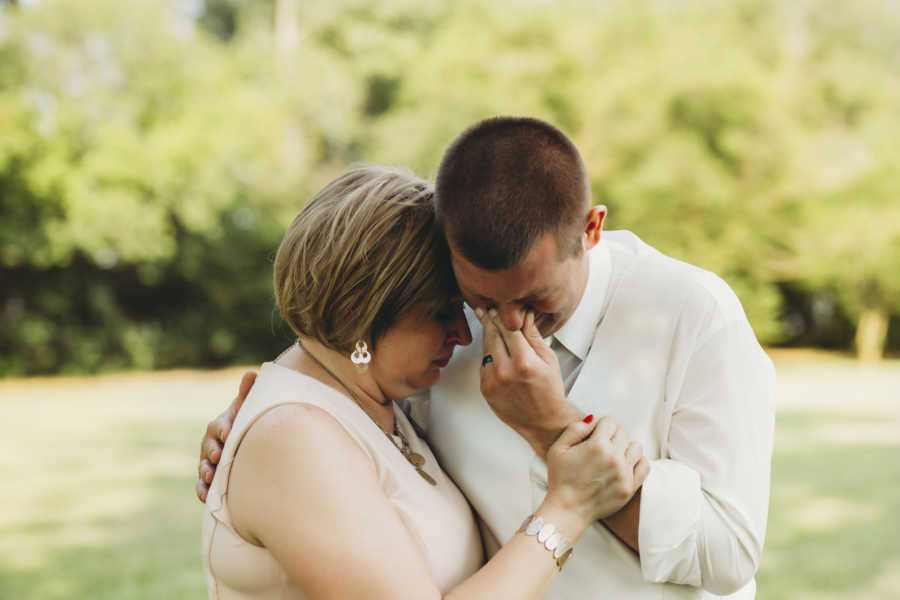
286,33
871,333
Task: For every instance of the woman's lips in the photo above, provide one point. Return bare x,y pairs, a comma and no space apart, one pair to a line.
442,362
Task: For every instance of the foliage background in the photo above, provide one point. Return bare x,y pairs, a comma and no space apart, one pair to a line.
152,153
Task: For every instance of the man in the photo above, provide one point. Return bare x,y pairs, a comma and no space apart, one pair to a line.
661,347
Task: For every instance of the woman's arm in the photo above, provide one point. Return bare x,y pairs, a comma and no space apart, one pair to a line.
303,489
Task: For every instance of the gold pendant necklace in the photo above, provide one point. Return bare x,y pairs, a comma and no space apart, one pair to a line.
414,458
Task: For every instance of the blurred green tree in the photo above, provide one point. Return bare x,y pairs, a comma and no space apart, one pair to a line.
147,172
851,247
152,153
848,246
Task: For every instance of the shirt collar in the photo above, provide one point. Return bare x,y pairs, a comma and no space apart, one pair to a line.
577,333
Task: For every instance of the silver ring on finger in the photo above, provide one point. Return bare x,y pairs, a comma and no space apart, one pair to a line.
488,359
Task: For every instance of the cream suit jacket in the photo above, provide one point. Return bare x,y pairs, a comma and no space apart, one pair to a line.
673,359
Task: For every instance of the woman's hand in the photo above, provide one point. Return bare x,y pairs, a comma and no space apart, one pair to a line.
594,469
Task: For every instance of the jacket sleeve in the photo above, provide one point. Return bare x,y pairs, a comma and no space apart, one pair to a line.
705,504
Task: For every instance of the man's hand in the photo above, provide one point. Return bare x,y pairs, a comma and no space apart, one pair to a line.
522,383
216,433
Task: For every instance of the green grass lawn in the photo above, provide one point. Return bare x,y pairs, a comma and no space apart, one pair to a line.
98,479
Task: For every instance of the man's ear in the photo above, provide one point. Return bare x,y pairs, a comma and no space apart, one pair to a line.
593,226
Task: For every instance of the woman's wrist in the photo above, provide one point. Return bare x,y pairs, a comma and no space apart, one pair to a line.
569,523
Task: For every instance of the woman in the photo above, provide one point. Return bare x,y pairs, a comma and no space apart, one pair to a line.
323,489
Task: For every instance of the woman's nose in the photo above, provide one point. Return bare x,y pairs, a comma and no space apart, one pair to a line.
459,332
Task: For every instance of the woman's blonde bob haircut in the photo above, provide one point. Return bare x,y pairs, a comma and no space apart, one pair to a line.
362,252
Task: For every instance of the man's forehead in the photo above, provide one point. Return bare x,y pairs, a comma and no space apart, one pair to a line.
525,296
521,282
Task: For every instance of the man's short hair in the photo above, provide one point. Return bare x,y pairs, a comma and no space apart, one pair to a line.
505,182
363,252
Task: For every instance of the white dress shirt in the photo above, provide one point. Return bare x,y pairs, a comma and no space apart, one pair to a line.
664,348
572,341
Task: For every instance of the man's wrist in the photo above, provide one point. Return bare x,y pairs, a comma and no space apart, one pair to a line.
625,523
541,437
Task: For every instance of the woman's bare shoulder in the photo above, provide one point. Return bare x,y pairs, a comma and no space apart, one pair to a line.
296,432
284,450
310,496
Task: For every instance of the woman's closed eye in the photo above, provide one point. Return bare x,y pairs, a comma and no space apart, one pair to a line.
450,311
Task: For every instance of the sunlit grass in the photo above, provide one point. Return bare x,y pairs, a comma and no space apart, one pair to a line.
98,479
98,484
833,526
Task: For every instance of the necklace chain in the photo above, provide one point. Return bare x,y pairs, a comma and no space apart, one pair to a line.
414,458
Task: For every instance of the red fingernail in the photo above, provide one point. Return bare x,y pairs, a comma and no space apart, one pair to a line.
588,419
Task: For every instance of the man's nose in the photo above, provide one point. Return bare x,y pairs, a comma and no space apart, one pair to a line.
512,317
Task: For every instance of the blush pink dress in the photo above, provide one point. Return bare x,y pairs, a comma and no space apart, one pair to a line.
437,517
